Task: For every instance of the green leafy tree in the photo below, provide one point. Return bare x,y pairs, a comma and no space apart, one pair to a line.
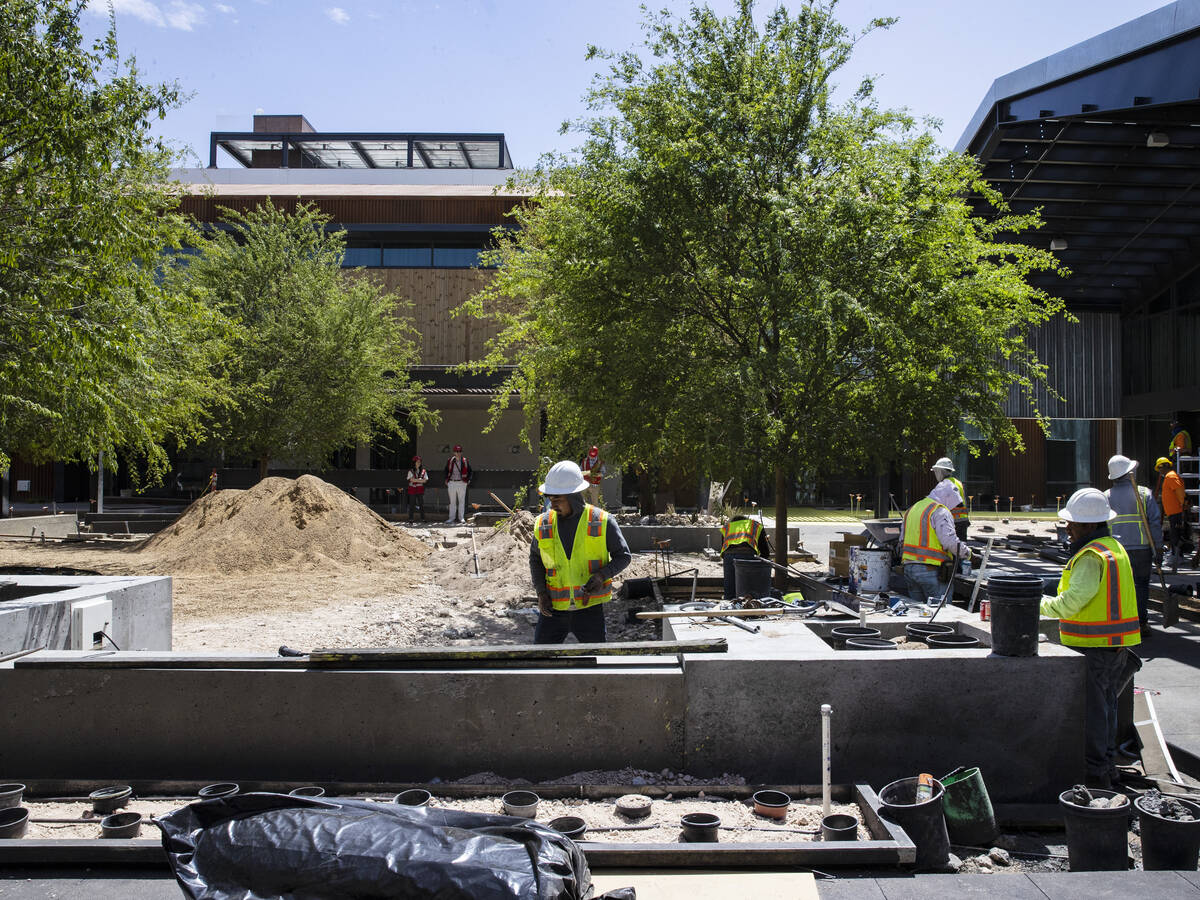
94,355
736,274
320,358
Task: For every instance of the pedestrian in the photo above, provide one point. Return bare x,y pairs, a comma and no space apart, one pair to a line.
928,542
1138,526
576,550
741,538
943,470
594,471
1174,506
458,476
1096,605
1181,442
417,476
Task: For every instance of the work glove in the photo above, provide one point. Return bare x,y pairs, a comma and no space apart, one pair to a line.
545,607
594,585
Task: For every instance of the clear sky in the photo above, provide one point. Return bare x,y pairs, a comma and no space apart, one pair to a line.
518,67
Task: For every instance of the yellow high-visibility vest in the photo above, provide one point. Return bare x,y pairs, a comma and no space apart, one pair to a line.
921,544
566,577
741,531
959,512
1110,618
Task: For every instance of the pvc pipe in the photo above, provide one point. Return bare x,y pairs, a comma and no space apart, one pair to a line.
826,758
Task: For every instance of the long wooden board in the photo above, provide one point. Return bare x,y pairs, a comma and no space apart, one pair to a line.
736,613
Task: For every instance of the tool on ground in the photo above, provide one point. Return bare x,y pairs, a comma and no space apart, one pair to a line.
983,564
712,613
475,553
753,629
285,650
826,759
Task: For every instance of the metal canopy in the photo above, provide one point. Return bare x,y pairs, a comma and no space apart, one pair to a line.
1115,172
361,150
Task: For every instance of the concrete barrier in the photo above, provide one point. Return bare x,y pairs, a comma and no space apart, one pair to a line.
36,610
55,526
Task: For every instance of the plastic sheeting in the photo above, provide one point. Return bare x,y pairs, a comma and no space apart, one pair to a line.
258,846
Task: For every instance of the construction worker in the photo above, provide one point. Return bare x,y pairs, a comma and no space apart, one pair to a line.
928,542
576,550
593,470
458,476
1181,442
1096,606
741,538
943,470
1138,526
1174,505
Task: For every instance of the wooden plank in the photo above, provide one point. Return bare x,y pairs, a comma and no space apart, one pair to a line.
517,651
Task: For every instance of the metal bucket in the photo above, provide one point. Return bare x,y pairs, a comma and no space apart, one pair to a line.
870,569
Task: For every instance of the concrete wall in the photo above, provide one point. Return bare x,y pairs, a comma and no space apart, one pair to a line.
141,609
59,525
118,724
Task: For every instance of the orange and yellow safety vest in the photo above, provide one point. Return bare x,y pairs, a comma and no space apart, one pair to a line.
921,544
1110,618
740,531
566,577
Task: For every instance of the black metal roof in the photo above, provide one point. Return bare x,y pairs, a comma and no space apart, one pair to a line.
1110,153
361,150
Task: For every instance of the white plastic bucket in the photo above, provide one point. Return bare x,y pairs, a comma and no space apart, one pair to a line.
870,569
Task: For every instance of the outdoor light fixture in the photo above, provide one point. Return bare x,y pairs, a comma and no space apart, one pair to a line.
1058,243
1158,139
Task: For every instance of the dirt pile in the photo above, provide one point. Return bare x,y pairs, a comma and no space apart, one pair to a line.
280,524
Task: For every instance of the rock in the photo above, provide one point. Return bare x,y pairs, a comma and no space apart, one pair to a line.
666,773
1000,856
435,780
638,781
953,864
1008,842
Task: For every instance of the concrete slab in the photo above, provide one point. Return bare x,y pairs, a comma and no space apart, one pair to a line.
53,526
1115,885
40,613
838,888
1011,886
708,884
1190,877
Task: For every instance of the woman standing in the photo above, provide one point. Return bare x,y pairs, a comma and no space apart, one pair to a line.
417,476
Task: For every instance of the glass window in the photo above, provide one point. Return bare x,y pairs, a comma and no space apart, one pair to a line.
406,257
455,257
360,256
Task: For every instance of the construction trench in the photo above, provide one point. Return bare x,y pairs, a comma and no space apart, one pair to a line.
710,698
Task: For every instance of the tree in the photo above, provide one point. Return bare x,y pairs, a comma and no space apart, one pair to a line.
94,355
320,358
735,270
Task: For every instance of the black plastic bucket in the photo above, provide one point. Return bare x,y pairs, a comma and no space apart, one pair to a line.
13,822
1097,839
220,789
700,828
1169,844
842,633
569,826
923,822
109,799
866,643
121,825
11,794
1014,614
951,641
751,576
308,790
839,827
920,631
416,797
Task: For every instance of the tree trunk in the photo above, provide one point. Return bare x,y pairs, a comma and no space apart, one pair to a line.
781,522
263,463
645,491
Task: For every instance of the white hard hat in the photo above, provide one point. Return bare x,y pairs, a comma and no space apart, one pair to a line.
943,463
564,478
1088,505
1120,466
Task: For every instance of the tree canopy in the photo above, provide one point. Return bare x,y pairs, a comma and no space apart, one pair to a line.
320,359
94,355
734,270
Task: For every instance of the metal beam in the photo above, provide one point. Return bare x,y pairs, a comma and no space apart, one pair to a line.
363,155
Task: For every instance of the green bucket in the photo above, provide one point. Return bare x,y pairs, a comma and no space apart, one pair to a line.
968,809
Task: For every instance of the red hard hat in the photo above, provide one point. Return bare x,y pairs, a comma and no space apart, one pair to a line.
595,451
458,448
417,458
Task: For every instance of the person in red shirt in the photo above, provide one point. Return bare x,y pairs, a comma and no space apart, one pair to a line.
1174,506
417,476
458,476
593,471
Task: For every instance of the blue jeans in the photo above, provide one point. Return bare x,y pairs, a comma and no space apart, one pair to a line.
1104,668
586,624
923,583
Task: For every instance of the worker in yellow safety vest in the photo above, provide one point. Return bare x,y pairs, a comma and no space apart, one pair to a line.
1096,605
928,542
943,470
1181,442
576,550
741,538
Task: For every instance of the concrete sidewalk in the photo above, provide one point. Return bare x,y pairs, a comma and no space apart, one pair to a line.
1171,673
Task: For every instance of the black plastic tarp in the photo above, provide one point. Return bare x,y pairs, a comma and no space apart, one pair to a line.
258,846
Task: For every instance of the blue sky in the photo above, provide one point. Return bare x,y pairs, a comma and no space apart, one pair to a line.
518,67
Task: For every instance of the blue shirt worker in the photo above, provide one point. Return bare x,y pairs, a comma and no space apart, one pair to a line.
743,538
1138,526
577,548
1096,606
928,541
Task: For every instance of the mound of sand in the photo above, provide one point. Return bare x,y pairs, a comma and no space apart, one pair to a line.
280,524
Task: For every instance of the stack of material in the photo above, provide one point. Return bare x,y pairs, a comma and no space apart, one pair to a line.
839,552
